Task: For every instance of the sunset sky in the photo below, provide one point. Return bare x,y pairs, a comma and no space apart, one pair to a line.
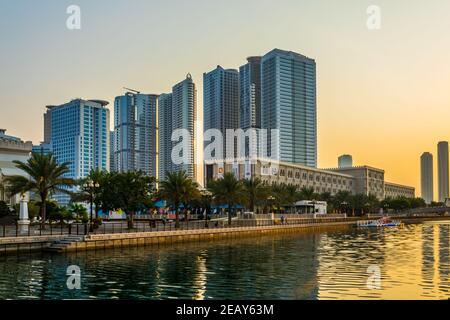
383,95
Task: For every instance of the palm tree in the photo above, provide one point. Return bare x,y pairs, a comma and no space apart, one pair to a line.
292,195
372,203
78,210
342,200
46,177
329,199
227,190
278,195
255,191
178,188
307,193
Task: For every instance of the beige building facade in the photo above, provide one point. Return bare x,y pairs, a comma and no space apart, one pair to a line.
11,148
356,180
394,190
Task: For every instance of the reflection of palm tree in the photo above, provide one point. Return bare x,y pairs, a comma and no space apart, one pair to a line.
46,177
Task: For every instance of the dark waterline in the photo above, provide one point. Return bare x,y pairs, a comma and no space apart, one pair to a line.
414,264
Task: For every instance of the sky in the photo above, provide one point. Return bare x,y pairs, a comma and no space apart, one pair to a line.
383,95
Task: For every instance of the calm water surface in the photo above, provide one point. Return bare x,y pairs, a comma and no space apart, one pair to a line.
414,264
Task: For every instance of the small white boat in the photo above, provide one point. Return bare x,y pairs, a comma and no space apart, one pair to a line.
380,223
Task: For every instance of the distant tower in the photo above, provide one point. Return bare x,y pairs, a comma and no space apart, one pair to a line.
135,133
443,170
426,176
345,161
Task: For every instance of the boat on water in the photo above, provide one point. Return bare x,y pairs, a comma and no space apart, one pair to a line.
384,222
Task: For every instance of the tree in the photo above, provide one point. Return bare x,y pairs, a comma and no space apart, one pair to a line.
46,177
400,204
130,191
98,177
291,194
255,192
357,203
307,193
79,211
4,209
329,199
227,190
58,213
372,203
417,203
279,195
178,189
342,200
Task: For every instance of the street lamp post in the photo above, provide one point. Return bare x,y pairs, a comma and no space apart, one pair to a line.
91,186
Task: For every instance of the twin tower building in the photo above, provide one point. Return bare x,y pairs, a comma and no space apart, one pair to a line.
274,91
426,170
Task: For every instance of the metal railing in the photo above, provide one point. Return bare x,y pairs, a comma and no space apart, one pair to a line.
154,226
34,230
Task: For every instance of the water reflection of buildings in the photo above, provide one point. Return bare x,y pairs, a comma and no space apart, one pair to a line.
428,260
444,257
414,264
344,259
263,268
435,259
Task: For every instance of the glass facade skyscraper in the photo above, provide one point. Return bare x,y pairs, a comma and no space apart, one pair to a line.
80,136
221,102
250,102
250,94
165,134
135,133
184,115
288,103
112,147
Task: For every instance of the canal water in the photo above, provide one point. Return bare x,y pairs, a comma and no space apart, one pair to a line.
408,263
